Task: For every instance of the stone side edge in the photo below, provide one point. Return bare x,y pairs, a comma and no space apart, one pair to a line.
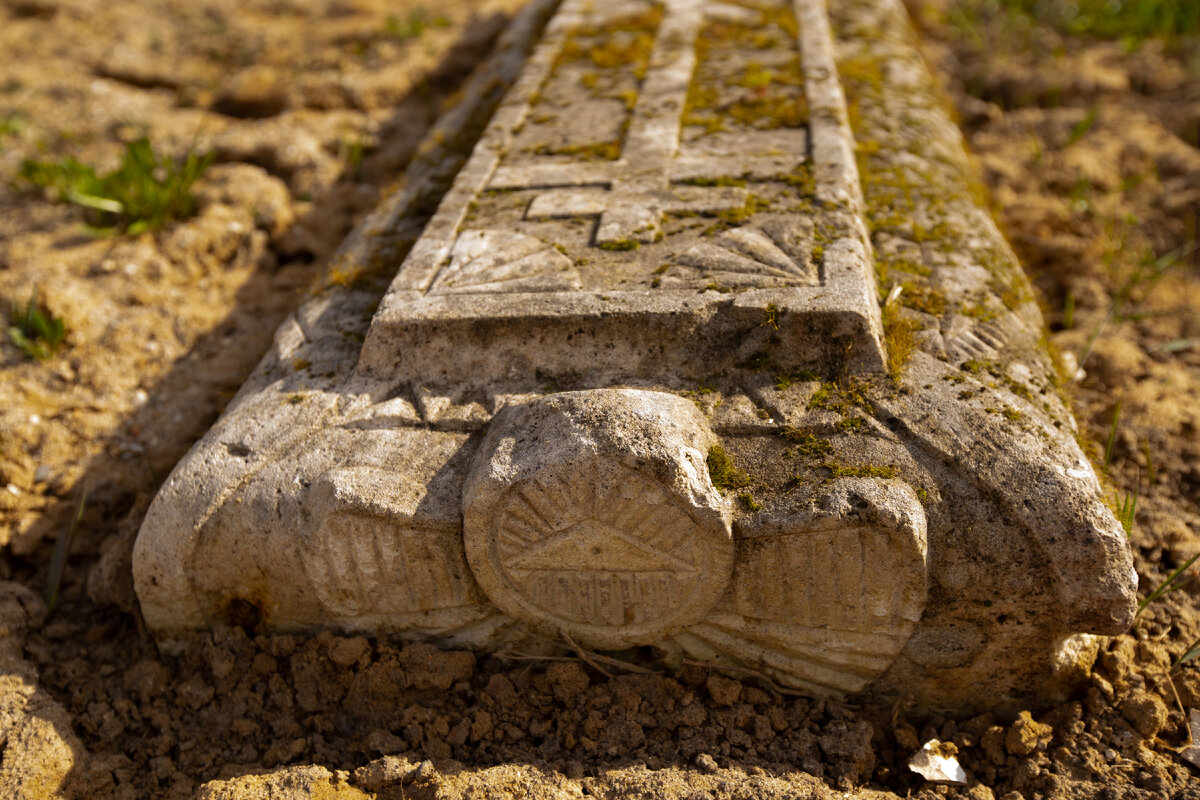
981,373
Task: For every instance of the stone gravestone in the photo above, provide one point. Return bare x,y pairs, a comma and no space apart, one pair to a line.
632,388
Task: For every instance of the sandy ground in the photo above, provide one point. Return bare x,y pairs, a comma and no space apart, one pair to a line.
313,111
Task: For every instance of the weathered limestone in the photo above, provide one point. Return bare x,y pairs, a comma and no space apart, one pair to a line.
632,387
592,513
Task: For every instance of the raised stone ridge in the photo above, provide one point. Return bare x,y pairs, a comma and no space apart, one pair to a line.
632,387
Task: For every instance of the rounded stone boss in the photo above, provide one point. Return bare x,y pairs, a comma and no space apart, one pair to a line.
592,514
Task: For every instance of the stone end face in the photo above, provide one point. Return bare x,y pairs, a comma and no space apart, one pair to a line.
592,514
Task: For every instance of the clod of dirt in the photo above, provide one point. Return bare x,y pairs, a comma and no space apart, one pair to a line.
430,668
382,773
1027,735
847,745
723,691
38,749
568,680
248,186
1147,713
257,91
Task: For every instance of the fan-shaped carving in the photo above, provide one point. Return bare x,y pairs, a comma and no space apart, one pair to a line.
488,261
775,252
825,611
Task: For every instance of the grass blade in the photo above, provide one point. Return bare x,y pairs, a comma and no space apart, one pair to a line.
58,563
1127,511
1112,435
1167,585
1189,654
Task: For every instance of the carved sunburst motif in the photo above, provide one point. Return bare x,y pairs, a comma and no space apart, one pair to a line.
825,610
488,261
771,253
599,554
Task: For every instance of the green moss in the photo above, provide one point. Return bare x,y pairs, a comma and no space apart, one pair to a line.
865,72
771,317
840,471
786,379
592,151
923,298
758,96
713,182
733,217
900,338
620,245
725,476
851,424
838,398
748,502
623,43
1017,388
699,395
301,364
976,366
628,97
807,444
978,311
801,179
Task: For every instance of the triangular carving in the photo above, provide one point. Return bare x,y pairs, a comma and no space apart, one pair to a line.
591,545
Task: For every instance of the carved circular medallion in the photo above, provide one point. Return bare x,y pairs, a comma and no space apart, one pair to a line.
592,514
614,560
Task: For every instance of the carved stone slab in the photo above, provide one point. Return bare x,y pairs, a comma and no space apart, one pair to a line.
631,389
659,174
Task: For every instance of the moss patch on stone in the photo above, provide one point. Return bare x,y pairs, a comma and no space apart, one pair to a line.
723,473
728,93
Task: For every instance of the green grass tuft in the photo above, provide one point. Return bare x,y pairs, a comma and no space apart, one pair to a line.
146,192
35,330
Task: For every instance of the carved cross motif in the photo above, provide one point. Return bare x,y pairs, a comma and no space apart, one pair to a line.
639,183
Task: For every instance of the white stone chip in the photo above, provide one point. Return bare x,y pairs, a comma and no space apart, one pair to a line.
936,762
